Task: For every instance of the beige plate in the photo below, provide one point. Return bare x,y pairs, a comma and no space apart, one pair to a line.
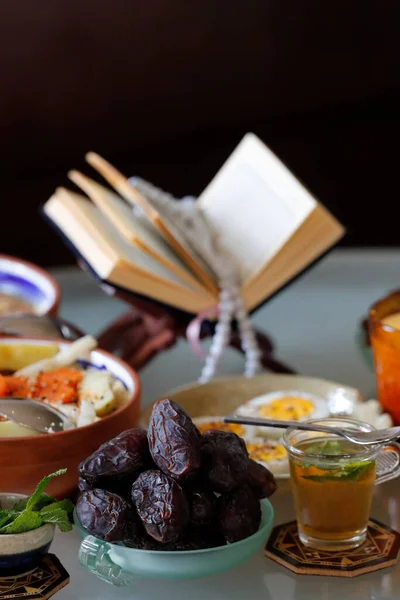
223,396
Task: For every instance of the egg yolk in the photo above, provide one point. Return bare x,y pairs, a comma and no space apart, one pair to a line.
221,426
265,452
289,408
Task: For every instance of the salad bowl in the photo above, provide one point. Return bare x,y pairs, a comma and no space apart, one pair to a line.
25,460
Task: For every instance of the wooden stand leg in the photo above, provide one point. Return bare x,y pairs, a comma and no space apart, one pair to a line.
137,337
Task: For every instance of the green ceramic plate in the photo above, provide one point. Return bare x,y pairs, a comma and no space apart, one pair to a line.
122,566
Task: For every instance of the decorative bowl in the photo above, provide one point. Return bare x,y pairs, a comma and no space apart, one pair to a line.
29,282
121,566
22,552
25,460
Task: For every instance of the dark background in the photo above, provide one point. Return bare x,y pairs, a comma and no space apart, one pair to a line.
166,89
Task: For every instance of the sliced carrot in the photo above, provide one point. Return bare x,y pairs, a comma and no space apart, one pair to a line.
65,375
3,386
18,387
60,385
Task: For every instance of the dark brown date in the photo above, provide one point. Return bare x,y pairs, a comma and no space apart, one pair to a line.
225,460
121,487
197,539
260,480
106,516
161,505
83,485
203,505
174,440
239,514
193,539
121,457
146,542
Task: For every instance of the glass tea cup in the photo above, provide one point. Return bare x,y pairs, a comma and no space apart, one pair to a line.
333,482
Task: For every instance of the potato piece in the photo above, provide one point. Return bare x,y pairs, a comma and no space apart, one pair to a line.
96,386
18,356
9,429
87,414
122,395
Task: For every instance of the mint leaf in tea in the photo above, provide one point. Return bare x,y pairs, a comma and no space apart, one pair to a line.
342,469
325,447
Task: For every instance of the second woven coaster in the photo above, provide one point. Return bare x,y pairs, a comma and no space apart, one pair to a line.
379,551
40,584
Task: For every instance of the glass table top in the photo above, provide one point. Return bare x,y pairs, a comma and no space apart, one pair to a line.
330,299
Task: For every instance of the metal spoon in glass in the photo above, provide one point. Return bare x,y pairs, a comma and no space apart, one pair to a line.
357,437
33,415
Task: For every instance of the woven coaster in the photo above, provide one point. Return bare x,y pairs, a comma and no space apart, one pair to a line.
41,583
379,551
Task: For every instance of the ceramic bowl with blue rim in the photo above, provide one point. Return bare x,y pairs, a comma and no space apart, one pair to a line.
22,552
26,460
25,281
122,566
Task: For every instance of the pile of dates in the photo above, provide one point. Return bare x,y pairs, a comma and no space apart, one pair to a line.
171,488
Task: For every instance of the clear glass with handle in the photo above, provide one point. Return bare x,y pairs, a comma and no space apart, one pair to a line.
94,556
333,482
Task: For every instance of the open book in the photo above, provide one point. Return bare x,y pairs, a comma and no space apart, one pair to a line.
264,219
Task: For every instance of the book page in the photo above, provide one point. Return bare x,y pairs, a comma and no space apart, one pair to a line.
319,232
134,226
161,221
254,204
100,244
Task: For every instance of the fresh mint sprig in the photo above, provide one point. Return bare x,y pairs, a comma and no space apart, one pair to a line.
24,521
6,516
37,494
59,516
36,510
45,499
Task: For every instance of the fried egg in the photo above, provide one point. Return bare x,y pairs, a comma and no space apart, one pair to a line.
205,423
291,405
270,454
